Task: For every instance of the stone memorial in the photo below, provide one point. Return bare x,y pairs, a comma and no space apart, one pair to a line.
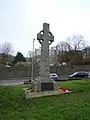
44,83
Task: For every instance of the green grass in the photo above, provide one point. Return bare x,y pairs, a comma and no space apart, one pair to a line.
73,106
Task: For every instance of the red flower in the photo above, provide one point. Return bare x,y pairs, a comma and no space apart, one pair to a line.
62,89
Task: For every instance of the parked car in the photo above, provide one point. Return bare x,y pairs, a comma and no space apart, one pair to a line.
53,76
89,74
79,75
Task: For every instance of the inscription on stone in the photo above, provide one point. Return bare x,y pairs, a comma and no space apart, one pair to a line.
47,87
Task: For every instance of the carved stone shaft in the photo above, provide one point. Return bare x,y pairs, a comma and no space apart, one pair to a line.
45,38
44,83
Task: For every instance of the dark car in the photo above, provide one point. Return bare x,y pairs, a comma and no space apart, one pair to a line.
79,75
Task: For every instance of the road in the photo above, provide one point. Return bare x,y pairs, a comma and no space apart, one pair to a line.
13,81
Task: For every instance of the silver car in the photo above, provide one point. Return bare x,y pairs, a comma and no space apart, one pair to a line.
53,76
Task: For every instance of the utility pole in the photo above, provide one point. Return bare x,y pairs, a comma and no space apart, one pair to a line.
33,61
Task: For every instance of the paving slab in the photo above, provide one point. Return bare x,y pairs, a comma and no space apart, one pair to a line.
30,94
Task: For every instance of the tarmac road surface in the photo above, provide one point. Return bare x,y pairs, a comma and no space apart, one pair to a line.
13,81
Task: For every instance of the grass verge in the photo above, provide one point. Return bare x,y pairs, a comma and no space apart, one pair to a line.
74,106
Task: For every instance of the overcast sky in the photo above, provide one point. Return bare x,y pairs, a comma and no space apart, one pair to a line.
21,20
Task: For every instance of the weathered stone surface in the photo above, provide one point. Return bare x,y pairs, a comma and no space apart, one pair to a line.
42,86
30,94
44,83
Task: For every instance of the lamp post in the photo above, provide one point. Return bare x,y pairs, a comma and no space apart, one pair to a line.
33,61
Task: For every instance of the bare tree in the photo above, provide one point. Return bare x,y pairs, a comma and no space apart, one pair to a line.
30,54
6,50
63,47
53,55
66,50
36,54
58,51
78,42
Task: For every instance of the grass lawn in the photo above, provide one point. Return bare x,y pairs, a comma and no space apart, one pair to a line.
73,106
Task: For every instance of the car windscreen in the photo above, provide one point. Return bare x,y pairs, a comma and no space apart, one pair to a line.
75,73
53,75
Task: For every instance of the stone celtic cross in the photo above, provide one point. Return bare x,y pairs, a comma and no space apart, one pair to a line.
45,38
